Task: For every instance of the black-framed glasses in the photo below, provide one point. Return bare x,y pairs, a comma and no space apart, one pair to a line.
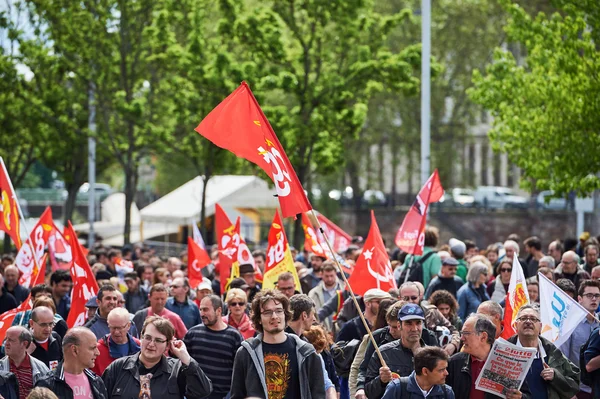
44,325
589,295
530,319
150,338
270,313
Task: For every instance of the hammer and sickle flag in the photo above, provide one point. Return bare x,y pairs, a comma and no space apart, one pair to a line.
9,214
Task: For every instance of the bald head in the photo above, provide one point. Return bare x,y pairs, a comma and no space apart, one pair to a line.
569,262
41,312
79,349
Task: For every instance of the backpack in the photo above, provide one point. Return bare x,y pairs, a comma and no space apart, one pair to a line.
404,388
415,273
343,354
586,377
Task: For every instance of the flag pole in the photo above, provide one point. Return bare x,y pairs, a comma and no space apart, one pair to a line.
317,224
35,261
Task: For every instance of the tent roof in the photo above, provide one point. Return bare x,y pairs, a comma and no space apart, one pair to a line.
182,206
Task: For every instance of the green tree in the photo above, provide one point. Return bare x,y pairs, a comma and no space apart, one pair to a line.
545,105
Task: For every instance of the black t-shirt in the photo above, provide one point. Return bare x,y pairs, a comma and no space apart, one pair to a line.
143,370
281,370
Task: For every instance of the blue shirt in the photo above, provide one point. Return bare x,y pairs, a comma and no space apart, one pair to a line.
592,351
188,312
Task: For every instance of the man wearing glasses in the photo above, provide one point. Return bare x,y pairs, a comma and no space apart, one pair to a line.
551,374
589,298
107,300
150,374
570,269
118,343
464,368
276,364
46,345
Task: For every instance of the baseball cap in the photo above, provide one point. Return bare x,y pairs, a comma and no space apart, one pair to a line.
411,311
204,285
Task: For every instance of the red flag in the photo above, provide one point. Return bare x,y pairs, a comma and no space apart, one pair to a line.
243,255
197,259
30,255
239,125
311,239
61,256
339,239
7,318
279,256
225,232
9,214
373,268
84,282
411,235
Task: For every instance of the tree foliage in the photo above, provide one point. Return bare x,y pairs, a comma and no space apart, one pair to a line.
545,105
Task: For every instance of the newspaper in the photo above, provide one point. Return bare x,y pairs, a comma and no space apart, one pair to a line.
505,368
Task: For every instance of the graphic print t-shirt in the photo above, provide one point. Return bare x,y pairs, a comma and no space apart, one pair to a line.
80,385
145,378
281,370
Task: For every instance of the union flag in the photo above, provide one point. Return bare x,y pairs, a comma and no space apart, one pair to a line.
9,214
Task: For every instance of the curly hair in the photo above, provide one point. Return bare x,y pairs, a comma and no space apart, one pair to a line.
444,297
318,338
259,302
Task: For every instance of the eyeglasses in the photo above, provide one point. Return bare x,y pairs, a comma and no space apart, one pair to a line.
531,319
410,298
175,286
44,325
285,288
149,338
270,313
591,296
118,328
233,304
467,333
505,270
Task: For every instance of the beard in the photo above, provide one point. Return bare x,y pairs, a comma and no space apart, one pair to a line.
208,322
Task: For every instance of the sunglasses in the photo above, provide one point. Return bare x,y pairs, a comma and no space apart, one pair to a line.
232,304
410,298
505,270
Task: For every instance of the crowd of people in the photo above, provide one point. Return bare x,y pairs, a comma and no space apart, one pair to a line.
149,334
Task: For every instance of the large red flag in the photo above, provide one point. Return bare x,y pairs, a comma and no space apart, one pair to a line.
7,318
197,259
311,239
411,235
339,239
279,256
61,255
239,125
84,282
373,268
30,255
9,214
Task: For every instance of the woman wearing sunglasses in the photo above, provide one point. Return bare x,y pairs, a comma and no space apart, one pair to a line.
237,316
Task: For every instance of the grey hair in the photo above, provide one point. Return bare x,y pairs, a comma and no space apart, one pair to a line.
24,335
523,308
476,269
493,307
513,244
484,324
549,260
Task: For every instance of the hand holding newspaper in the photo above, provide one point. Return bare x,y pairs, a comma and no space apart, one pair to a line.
505,368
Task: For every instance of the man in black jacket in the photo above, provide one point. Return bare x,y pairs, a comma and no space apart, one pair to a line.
464,368
46,345
274,362
398,355
73,377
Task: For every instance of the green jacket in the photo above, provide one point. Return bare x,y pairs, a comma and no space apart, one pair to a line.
431,267
462,269
565,384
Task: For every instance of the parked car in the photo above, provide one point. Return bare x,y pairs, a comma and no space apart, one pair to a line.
374,198
462,197
102,191
492,197
553,203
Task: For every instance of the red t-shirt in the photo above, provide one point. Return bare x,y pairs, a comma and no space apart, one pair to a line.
476,366
43,344
24,375
180,329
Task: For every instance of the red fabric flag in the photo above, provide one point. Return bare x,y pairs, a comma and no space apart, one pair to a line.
339,239
411,235
61,255
84,282
373,268
9,213
30,255
279,256
197,259
243,255
225,232
239,125
7,318
311,239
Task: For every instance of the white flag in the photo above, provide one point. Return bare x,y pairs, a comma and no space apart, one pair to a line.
198,237
559,312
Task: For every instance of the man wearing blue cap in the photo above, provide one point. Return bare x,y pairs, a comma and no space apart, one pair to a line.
398,355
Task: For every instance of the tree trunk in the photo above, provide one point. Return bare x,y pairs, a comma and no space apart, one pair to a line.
130,191
72,190
6,243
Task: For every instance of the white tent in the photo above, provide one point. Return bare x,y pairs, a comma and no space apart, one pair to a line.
183,205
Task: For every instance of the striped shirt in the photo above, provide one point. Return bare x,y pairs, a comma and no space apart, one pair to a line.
214,351
24,375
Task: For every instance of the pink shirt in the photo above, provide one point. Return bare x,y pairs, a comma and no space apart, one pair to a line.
80,385
180,328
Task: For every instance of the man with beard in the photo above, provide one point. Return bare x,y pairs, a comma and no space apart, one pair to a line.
276,364
213,344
